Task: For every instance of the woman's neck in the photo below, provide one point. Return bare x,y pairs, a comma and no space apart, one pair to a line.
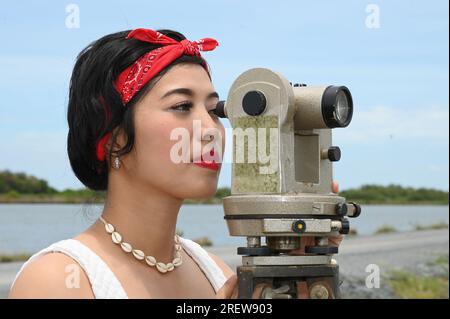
146,218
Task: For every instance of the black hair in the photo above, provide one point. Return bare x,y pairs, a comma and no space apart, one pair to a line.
92,96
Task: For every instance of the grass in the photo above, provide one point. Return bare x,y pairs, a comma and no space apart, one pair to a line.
14,257
385,229
436,226
179,232
408,285
203,241
440,261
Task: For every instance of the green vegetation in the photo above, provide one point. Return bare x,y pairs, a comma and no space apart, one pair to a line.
395,194
441,225
23,188
412,286
385,229
203,241
20,183
13,258
441,261
179,232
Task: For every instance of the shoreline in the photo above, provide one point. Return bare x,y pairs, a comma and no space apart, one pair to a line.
206,202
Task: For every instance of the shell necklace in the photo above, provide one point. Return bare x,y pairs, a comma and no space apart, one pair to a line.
139,254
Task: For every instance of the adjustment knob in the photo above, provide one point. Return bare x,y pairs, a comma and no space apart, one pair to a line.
254,103
341,209
299,226
345,227
334,153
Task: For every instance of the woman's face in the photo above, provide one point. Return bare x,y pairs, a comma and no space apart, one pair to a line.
169,127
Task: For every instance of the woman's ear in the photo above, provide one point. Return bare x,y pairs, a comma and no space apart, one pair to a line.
118,138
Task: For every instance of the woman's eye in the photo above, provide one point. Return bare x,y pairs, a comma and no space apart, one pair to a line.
183,107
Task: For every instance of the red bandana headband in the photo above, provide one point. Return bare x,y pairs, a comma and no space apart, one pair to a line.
134,77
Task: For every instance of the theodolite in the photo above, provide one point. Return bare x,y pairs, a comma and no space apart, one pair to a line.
281,186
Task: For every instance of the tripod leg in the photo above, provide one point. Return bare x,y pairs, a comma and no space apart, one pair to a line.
245,280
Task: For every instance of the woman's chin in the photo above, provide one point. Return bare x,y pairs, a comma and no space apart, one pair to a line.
202,193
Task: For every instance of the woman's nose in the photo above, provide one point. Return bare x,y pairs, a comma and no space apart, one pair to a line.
208,132
210,127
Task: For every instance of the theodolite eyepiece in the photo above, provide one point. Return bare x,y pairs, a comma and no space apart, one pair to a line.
220,109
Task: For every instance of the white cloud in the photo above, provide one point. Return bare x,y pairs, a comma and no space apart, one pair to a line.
382,123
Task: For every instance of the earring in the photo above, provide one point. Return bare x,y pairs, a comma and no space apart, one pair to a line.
117,162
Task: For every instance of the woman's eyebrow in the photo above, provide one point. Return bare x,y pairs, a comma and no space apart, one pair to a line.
188,92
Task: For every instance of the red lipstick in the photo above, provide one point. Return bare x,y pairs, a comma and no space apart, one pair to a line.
211,165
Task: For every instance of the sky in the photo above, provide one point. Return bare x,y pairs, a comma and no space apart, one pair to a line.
392,55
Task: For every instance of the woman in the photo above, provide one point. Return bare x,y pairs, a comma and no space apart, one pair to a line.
128,92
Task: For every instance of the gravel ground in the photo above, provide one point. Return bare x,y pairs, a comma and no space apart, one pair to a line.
410,251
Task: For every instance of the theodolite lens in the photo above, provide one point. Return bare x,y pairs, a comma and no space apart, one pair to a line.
342,107
337,106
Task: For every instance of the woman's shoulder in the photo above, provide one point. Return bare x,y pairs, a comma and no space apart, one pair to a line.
51,274
219,262
227,271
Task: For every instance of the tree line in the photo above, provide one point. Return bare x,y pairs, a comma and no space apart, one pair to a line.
22,187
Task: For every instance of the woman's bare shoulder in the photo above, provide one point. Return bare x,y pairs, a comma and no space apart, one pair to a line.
52,275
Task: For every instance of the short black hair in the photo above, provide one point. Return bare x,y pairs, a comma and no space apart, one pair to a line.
92,95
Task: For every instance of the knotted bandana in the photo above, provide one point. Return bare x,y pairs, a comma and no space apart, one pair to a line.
135,76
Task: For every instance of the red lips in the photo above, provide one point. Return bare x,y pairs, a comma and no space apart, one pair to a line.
211,165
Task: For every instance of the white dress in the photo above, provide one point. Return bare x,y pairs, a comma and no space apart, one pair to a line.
105,284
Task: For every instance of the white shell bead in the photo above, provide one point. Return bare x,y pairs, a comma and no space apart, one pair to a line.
161,267
176,261
139,254
150,260
109,228
126,247
116,237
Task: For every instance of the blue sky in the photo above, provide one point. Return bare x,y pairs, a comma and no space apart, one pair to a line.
397,73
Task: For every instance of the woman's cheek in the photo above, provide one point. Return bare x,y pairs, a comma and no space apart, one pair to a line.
152,142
